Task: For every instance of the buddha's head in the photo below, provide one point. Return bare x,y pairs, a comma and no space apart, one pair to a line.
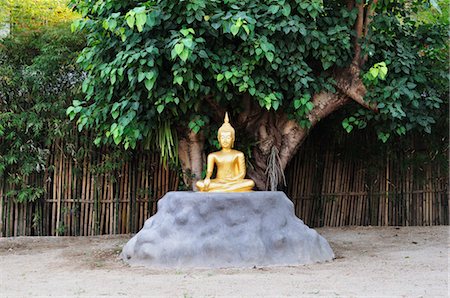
225,134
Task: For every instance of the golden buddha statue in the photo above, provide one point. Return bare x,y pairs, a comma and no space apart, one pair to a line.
230,163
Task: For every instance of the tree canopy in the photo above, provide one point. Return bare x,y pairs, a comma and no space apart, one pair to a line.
164,72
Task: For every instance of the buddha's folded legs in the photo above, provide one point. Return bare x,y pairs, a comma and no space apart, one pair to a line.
221,186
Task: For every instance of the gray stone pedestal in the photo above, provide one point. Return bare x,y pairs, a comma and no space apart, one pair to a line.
193,229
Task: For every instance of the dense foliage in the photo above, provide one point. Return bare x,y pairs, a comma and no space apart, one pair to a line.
151,62
38,80
156,61
414,94
24,15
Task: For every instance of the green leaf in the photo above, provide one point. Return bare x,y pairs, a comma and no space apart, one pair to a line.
179,47
234,29
184,55
160,108
274,9
112,24
141,19
228,75
347,126
220,77
247,30
275,105
117,139
69,110
130,20
105,24
188,43
304,100
97,141
178,80
186,32
326,64
286,9
411,85
149,83
374,72
383,136
141,76
74,26
115,114
199,77
269,56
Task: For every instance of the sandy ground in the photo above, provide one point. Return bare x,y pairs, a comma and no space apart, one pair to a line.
370,261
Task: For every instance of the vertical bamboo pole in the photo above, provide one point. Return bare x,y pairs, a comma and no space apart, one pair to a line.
101,201
69,198
54,185
123,204
24,219
87,194
147,191
142,195
127,197
154,183
59,190
16,215
7,218
327,176
335,182
111,205
2,204
92,193
83,196
386,204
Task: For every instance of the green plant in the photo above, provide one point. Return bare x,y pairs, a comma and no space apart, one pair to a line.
38,80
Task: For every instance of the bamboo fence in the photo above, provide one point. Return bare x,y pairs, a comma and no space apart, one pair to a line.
328,188
334,188
79,201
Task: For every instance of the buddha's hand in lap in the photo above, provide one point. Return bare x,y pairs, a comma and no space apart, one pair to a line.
206,184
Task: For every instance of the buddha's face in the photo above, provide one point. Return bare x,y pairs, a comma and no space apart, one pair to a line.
226,139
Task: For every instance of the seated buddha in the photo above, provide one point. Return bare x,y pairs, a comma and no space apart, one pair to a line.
230,176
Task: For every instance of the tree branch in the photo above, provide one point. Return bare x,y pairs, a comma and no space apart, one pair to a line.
350,4
349,83
218,111
359,26
369,17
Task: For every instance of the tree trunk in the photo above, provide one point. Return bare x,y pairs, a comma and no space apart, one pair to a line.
192,157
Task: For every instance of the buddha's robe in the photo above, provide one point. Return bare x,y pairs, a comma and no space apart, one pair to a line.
230,175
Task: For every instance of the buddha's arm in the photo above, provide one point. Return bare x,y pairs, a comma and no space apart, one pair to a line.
209,166
241,167
209,171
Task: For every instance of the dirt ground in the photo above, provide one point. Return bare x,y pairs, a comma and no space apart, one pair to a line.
370,261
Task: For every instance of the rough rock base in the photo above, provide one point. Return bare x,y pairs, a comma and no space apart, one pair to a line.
193,229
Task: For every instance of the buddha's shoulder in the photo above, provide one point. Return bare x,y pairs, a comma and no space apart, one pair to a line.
237,153
232,152
213,154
